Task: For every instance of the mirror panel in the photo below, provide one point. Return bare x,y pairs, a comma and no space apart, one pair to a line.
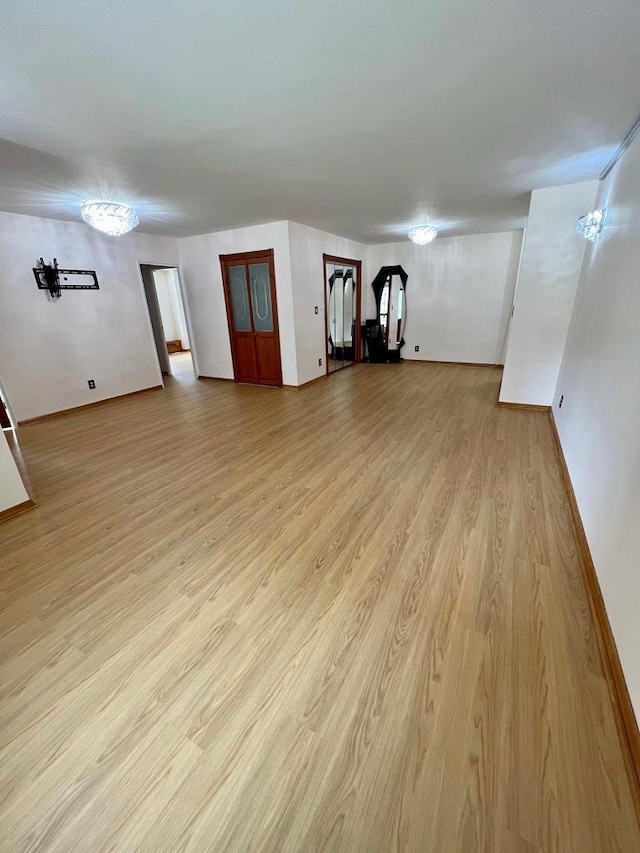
395,313
334,304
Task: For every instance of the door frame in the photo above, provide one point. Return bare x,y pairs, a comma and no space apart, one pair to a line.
4,402
155,317
248,257
185,305
357,344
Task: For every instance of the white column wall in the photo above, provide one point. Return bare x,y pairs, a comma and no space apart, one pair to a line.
599,422
550,266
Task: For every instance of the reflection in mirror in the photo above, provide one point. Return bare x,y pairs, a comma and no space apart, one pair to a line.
383,312
385,335
396,304
341,305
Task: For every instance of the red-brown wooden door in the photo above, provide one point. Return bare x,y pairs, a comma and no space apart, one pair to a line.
252,313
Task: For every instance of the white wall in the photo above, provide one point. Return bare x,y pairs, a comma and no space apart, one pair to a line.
550,266
48,350
170,302
458,296
599,422
202,282
12,490
307,275
165,303
179,308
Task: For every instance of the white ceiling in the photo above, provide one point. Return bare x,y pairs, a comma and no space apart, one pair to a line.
360,117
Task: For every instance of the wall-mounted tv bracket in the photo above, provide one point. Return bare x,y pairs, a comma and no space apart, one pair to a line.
50,277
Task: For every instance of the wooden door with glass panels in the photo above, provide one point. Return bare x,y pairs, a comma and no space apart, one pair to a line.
252,313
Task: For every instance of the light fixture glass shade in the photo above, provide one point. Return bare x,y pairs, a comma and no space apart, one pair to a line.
423,234
590,225
110,217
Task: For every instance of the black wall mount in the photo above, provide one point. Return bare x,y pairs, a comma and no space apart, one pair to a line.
48,278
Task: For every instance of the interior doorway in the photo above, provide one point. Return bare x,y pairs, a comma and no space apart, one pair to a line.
168,320
252,313
5,418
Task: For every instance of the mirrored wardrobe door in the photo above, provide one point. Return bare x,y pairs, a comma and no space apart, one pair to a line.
355,332
341,312
345,316
337,283
348,318
331,317
340,320
338,360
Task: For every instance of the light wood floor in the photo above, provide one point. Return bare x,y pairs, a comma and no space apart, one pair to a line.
347,618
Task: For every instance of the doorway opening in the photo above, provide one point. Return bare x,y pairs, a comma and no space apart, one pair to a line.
168,321
252,313
342,312
7,423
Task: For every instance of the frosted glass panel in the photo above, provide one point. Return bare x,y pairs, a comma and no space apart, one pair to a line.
261,297
239,299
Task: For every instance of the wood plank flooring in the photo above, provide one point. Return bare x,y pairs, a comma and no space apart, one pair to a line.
347,618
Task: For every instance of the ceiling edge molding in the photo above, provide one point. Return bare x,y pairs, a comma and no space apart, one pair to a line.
626,142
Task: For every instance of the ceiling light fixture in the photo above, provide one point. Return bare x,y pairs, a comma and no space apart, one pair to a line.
590,225
423,234
110,217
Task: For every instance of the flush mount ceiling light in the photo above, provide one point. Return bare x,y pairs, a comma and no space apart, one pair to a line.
110,217
423,234
590,225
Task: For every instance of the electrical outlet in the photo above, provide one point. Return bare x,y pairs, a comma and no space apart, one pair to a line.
316,309
319,362
561,399
91,383
417,348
